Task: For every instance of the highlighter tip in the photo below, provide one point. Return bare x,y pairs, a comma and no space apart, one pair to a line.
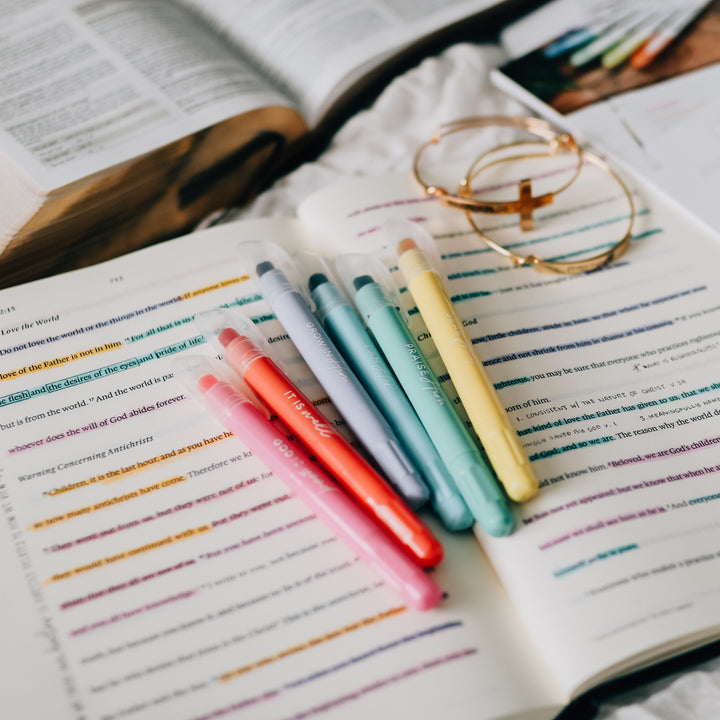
361,281
316,279
263,267
428,551
206,382
640,60
227,336
498,521
405,245
523,490
425,598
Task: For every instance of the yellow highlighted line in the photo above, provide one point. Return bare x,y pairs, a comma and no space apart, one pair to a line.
214,286
106,503
57,362
169,540
113,475
312,643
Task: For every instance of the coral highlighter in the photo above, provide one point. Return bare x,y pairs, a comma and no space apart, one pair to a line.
243,354
308,482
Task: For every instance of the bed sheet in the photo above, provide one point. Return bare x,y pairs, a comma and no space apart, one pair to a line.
383,138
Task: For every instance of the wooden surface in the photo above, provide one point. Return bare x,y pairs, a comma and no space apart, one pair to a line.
156,197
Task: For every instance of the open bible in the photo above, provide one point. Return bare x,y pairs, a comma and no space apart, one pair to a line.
126,122
154,568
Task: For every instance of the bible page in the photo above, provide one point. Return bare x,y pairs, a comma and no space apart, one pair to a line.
317,49
162,570
87,85
610,378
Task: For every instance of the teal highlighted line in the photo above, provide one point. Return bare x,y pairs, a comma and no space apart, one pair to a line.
574,231
578,445
613,552
704,499
512,381
584,417
189,318
263,318
565,233
470,295
120,366
158,329
585,228
587,319
247,300
99,373
473,273
128,363
600,414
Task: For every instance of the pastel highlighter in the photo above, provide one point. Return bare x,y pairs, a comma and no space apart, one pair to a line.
242,347
379,306
352,338
277,279
206,381
415,250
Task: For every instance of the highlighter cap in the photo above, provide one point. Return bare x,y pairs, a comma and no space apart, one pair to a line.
396,230
319,280
356,270
221,325
198,373
264,259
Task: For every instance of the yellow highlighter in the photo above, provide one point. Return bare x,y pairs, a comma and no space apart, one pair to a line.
477,394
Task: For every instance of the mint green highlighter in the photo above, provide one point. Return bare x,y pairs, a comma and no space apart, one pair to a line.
359,350
456,447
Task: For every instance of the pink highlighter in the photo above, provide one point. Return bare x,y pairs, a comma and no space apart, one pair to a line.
208,379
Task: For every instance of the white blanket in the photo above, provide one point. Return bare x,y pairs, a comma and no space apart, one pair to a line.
383,139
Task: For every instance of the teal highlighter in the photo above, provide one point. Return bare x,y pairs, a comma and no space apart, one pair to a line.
359,350
376,303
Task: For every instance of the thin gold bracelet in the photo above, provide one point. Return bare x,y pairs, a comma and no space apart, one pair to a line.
552,266
555,140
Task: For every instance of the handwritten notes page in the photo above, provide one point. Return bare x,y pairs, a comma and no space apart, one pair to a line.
153,568
611,380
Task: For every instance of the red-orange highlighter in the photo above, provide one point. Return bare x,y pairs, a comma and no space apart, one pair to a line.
241,344
287,459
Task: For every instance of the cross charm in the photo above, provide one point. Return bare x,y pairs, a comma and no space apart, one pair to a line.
527,203
524,205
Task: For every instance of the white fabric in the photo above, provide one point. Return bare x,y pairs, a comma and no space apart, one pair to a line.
691,695
383,139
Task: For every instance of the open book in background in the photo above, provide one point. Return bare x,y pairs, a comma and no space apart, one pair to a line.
637,80
126,122
152,567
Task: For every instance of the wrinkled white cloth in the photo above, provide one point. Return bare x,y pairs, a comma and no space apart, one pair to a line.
693,694
384,138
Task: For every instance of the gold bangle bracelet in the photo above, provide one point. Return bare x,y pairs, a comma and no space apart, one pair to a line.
555,140
576,266
527,202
